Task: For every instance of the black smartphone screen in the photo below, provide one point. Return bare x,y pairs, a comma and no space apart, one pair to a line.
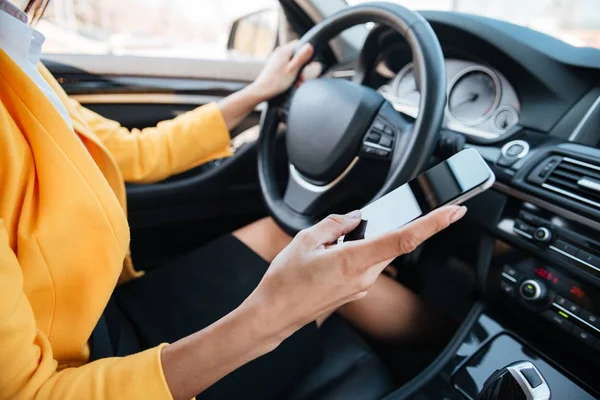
435,187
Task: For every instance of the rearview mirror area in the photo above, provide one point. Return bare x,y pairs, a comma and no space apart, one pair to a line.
254,35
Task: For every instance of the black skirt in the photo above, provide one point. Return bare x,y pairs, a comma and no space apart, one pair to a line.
190,293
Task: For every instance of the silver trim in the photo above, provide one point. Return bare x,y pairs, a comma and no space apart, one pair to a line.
522,233
589,184
541,392
508,145
144,98
575,316
572,257
534,283
582,163
546,205
462,74
377,146
300,180
569,194
584,120
150,98
510,278
345,73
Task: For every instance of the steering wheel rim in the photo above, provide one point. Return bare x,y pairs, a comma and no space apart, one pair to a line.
431,80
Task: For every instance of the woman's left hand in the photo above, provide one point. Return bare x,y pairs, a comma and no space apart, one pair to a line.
281,70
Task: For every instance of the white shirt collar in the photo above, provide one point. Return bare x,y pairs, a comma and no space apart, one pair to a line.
20,41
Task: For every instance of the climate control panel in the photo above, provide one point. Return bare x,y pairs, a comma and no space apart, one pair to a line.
564,302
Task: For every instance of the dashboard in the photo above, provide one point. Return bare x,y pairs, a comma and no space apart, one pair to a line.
481,101
530,105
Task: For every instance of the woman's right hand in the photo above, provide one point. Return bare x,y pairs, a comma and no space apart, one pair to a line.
309,277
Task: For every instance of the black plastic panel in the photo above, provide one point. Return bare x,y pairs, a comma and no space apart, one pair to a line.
505,350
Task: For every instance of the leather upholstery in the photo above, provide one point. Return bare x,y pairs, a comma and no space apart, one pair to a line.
350,369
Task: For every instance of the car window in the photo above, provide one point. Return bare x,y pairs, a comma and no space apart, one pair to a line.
158,28
576,22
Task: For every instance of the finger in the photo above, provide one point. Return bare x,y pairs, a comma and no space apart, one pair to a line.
287,50
366,253
302,57
331,228
311,71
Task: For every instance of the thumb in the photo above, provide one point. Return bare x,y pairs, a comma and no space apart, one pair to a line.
331,228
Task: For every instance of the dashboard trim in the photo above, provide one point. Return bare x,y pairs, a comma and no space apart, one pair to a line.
584,120
572,257
546,205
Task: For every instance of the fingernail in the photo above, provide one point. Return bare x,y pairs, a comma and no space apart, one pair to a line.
458,214
354,214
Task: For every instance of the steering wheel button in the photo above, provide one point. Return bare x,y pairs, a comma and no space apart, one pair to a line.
379,125
385,141
388,130
373,137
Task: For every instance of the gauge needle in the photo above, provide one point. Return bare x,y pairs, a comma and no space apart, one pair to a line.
471,98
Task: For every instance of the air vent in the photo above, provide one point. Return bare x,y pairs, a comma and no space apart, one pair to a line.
571,178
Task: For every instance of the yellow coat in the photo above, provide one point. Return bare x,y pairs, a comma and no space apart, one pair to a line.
64,236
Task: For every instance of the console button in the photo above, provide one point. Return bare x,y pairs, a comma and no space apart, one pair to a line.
566,247
515,150
385,141
542,234
584,336
388,130
510,271
528,217
589,318
569,305
508,289
589,258
522,226
529,291
558,320
532,377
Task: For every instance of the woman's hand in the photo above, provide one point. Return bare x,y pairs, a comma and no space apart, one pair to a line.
309,277
281,70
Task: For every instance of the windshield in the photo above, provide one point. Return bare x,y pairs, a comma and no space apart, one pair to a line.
576,22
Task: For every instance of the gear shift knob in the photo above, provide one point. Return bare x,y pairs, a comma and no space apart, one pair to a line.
518,381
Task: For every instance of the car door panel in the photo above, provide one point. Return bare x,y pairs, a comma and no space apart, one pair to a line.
173,216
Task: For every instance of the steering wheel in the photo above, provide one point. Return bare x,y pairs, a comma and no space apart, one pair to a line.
343,136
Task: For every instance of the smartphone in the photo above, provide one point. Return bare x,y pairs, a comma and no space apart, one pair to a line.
459,178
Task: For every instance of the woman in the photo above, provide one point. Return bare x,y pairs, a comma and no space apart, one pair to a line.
78,322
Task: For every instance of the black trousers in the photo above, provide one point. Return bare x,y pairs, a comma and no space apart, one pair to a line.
192,292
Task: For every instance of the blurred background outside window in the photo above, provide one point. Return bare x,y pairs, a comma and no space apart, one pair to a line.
576,22
158,28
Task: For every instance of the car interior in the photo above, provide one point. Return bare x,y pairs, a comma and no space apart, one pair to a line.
520,274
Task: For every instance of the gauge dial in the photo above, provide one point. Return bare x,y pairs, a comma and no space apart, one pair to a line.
474,95
405,86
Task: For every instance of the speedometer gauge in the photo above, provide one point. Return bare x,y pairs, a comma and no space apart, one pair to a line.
405,86
474,95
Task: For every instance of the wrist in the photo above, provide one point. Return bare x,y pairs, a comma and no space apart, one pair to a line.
269,324
257,93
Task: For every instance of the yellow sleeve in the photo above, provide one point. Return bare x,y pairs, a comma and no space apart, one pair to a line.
28,369
173,146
